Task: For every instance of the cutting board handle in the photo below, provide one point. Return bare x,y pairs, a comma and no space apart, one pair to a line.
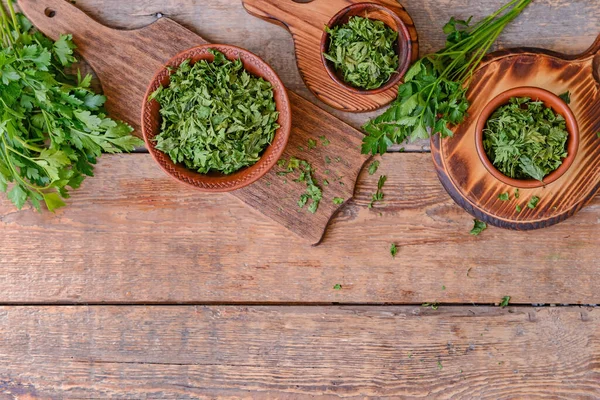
54,17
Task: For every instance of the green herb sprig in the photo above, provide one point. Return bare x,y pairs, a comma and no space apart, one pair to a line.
362,50
52,125
305,170
216,117
525,139
433,97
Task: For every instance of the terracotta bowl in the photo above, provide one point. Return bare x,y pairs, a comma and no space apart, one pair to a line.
217,182
375,12
550,100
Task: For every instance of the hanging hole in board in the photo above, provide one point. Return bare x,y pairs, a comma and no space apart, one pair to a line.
50,13
302,1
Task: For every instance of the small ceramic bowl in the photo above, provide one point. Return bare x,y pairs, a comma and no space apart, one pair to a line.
375,12
550,100
217,182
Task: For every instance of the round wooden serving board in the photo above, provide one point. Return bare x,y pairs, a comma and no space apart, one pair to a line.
476,190
305,20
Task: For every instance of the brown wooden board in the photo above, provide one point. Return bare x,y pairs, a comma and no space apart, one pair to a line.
305,20
241,352
463,174
125,62
133,235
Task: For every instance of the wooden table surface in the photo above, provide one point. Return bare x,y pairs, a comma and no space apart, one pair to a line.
142,288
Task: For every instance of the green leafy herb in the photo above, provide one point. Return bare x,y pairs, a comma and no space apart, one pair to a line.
363,51
504,196
52,125
338,200
518,208
439,364
443,287
504,301
216,117
566,97
478,227
434,306
373,167
378,195
598,134
325,182
517,194
393,250
533,202
327,160
324,140
337,286
312,143
433,97
305,175
525,139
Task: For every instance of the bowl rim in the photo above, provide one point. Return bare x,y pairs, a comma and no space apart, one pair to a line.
403,64
224,183
550,100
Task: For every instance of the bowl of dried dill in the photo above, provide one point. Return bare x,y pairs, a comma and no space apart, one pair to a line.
216,117
366,48
527,137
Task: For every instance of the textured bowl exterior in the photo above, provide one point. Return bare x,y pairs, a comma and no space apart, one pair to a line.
550,100
376,12
216,182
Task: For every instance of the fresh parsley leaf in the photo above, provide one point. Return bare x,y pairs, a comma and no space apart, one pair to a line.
373,167
393,250
434,306
338,200
533,202
216,117
312,143
517,194
305,175
478,227
504,301
52,125
566,97
324,140
433,96
525,139
378,195
504,196
363,52
337,286
518,208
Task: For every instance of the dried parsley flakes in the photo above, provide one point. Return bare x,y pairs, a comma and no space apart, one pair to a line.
525,139
363,51
216,117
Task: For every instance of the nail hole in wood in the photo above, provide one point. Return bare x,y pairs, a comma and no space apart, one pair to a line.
50,13
302,1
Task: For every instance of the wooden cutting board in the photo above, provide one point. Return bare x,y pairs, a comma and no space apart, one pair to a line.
125,62
466,179
305,20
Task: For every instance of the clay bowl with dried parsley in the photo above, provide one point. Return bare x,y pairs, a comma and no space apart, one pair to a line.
216,117
527,137
366,48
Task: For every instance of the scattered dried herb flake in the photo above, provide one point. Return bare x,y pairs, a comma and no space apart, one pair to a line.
478,227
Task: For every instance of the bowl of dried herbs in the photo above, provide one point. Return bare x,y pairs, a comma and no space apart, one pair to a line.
216,117
527,137
366,48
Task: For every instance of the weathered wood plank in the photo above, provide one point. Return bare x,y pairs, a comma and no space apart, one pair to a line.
299,352
131,234
562,26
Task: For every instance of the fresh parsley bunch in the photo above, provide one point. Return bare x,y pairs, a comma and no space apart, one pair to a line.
525,139
363,51
215,115
433,97
52,127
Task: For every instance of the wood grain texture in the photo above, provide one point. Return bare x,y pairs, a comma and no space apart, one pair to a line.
132,235
126,60
305,21
299,352
476,190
